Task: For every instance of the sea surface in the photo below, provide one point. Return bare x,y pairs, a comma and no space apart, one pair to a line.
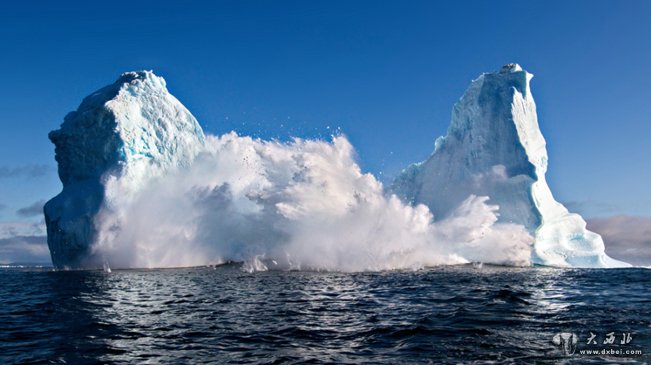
460,314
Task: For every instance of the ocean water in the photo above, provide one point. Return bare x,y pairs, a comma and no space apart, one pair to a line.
460,314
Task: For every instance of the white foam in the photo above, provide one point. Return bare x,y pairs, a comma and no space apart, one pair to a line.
300,205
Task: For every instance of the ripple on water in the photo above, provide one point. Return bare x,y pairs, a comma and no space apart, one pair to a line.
455,314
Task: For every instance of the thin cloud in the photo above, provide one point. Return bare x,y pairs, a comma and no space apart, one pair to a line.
589,206
23,242
2,206
627,238
33,210
14,229
24,249
27,171
26,240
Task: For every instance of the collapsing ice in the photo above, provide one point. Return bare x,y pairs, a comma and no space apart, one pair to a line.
144,187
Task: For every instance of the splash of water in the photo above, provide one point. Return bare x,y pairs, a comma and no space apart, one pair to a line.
304,204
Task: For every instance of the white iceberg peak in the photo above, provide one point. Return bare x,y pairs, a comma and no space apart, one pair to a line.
510,67
143,77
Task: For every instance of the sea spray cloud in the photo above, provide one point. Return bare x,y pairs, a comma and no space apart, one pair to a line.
303,204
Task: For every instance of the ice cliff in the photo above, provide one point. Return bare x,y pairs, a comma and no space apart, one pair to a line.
494,148
119,137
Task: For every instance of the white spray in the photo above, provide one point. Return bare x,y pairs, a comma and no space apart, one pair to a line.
298,205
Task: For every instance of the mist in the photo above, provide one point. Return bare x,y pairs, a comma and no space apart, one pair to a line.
303,204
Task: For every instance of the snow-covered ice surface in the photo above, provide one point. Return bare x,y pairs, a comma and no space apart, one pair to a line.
144,187
494,148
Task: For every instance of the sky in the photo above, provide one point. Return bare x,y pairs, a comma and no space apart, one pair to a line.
384,73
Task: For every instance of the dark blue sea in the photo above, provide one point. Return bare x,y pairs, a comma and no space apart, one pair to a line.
463,314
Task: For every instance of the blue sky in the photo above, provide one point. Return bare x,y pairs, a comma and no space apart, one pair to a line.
385,73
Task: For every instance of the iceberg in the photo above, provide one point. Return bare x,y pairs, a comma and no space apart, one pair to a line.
494,147
120,137
144,187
